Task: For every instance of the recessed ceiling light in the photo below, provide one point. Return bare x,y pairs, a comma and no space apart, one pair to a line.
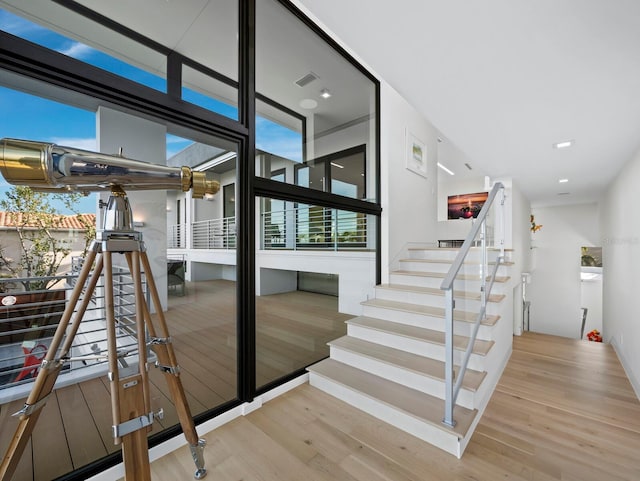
563,181
448,171
325,93
308,104
563,145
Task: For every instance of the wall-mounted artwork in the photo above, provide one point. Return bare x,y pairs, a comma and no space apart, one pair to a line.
416,155
465,206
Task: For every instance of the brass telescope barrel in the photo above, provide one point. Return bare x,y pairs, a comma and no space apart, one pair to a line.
52,168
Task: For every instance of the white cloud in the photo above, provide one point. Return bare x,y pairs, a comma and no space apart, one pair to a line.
77,50
77,143
18,26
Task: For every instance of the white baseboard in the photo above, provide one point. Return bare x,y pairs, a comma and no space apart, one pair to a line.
117,472
626,365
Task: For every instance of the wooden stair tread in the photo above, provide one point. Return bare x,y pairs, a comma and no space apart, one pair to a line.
419,405
442,275
435,248
429,311
450,261
412,362
439,292
480,347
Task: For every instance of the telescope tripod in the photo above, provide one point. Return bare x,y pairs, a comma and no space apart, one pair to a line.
130,393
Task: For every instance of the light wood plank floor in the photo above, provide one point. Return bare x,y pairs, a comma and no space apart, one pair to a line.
563,411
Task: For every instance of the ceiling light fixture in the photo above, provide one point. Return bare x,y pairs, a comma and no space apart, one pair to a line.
563,181
448,171
308,104
337,165
325,93
563,145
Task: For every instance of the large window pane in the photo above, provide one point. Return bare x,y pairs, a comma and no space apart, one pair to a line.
313,268
196,285
100,47
297,71
214,95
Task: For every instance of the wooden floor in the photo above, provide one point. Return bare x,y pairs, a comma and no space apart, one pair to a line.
292,330
563,410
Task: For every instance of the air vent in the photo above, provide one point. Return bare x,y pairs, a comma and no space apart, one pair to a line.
468,166
307,79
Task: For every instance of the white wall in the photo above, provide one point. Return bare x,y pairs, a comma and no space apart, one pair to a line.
521,245
408,200
143,140
555,289
621,266
356,273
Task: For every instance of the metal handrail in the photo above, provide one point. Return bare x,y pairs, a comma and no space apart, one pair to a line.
480,226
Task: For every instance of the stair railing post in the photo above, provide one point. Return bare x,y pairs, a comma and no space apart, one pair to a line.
502,222
483,266
448,355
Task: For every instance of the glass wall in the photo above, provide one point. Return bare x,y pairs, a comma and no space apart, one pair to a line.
198,296
304,78
92,43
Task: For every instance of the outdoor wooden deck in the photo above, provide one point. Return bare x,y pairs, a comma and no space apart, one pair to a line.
75,425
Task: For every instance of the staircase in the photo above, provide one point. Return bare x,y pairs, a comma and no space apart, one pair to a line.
391,362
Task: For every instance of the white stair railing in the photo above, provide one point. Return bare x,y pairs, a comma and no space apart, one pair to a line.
479,227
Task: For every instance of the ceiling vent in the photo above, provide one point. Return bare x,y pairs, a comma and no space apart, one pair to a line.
307,79
468,166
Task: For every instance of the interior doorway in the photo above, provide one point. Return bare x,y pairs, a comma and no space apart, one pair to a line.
590,290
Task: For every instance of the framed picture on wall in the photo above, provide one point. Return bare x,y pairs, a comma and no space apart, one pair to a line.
416,154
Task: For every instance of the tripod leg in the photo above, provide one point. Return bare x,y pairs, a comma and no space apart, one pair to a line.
163,349
45,380
127,398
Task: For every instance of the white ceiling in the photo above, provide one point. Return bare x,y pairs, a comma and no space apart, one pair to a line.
502,80
506,79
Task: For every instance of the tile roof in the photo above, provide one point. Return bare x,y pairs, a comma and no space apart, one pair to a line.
11,219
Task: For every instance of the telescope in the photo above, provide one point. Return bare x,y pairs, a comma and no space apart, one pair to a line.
47,167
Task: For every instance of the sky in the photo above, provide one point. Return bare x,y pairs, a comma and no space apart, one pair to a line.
33,118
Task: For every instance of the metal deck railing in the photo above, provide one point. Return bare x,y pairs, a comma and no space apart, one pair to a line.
29,319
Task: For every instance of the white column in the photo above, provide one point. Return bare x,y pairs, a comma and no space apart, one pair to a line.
143,140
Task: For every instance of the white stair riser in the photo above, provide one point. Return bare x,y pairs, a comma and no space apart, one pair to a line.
474,255
468,269
415,346
419,382
436,300
425,431
435,282
461,328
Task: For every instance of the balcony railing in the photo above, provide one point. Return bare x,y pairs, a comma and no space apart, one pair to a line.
214,233
301,228
28,321
177,236
314,228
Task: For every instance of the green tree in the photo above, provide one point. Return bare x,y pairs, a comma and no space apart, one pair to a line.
35,220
